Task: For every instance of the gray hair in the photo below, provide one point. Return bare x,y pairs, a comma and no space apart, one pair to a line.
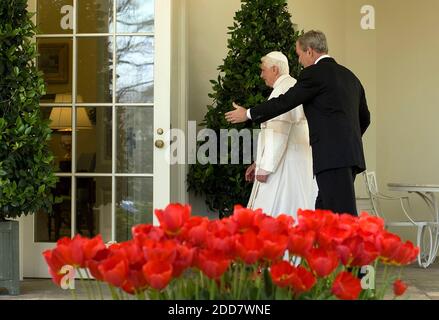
315,40
281,64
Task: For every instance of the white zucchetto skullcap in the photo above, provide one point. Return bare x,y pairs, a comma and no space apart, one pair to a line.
277,55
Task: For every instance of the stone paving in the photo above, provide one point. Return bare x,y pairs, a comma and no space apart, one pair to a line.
423,285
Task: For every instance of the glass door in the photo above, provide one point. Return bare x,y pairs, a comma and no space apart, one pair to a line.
106,65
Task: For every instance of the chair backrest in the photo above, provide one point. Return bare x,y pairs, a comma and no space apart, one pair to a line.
372,190
371,182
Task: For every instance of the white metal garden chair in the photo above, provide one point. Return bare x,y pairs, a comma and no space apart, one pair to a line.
426,237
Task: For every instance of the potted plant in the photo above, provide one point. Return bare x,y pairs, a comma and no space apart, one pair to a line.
26,171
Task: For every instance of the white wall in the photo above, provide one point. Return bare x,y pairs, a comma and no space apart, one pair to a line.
207,47
407,96
339,19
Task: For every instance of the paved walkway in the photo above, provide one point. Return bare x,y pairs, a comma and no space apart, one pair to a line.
423,285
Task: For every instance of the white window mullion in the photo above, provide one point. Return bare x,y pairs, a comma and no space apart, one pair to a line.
74,142
114,126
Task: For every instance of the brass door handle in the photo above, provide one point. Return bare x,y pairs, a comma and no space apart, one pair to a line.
159,144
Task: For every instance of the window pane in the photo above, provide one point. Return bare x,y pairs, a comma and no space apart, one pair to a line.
55,17
135,139
95,16
93,207
61,141
135,70
94,133
55,61
50,227
135,16
133,205
95,70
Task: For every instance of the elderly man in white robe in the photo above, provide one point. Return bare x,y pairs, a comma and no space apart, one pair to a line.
282,173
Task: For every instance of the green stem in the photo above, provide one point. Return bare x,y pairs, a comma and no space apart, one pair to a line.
197,289
384,288
113,293
98,285
222,288
122,294
235,283
141,295
84,285
202,280
212,289
241,279
101,295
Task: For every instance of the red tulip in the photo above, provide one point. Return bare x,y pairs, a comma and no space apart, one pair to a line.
195,231
333,235
280,225
355,252
93,264
314,220
144,232
274,246
286,222
300,242
302,280
219,238
370,224
114,270
132,252
136,281
226,245
52,261
249,247
389,244
399,287
173,218
212,263
405,254
322,262
55,266
56,277
346,286
92,246
183,260
160,251
157,274
229,224
245,218
281,273
70,251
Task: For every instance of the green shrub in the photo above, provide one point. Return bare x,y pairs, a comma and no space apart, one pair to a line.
26,170
261,26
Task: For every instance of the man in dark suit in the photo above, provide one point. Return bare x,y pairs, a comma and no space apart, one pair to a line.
335,106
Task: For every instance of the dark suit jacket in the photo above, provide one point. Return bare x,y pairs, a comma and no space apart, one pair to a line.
335,106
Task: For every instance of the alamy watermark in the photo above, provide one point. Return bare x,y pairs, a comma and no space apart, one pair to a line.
226,146
367,21
68,280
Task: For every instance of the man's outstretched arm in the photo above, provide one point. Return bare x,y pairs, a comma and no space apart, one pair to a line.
304,90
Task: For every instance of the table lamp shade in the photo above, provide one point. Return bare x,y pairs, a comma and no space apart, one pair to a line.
61,117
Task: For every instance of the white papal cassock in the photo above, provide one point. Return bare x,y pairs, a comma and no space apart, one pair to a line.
284,150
